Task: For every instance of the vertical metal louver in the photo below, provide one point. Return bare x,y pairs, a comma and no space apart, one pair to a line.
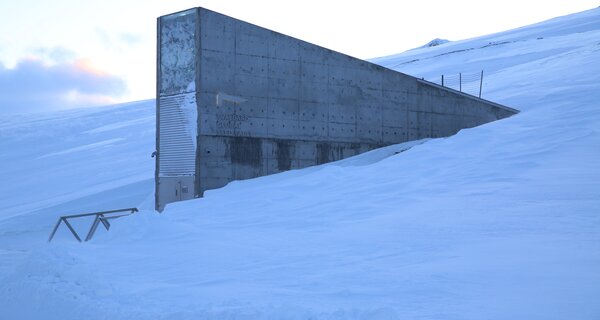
177,135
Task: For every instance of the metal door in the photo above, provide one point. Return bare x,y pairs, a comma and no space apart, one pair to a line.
176,148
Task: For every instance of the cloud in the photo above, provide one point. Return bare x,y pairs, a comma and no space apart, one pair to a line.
117,41
33,85
55,54
130,37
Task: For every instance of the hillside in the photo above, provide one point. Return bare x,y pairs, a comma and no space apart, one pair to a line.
501,221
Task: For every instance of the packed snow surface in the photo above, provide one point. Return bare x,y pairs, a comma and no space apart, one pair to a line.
501,221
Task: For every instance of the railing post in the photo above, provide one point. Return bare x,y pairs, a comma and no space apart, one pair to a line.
460,81
105,222
72,230
93,228
442,80
54,230
480,83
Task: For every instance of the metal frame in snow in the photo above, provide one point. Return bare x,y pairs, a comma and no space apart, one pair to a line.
100,217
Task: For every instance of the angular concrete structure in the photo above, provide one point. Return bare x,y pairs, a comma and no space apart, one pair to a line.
237,101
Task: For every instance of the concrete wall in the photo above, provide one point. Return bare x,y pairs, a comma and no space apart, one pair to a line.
176,112
268,102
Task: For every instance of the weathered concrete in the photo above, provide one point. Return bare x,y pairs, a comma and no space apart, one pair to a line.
267,103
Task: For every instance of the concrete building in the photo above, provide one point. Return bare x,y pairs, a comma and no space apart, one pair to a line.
237,101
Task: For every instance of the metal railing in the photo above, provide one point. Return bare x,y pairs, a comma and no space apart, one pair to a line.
471,83
100,217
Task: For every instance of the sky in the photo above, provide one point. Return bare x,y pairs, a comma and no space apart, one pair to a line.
71,53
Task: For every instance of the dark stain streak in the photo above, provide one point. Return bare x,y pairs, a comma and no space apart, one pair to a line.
284,158
246,151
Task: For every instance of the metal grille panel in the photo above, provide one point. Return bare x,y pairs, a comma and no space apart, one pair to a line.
177,147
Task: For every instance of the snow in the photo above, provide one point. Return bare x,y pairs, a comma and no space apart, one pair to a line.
497,222
435,42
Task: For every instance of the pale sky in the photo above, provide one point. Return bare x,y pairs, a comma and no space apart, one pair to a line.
67,53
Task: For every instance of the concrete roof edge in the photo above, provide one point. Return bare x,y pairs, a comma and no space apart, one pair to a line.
362,60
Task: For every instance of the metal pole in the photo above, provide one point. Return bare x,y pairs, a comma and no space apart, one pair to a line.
55,228
480,83
93,228
460,81
72,230
106,223
442,80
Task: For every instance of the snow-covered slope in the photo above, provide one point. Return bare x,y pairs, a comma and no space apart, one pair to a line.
500,221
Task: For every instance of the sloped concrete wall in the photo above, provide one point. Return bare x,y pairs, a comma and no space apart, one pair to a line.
268,102
307,105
